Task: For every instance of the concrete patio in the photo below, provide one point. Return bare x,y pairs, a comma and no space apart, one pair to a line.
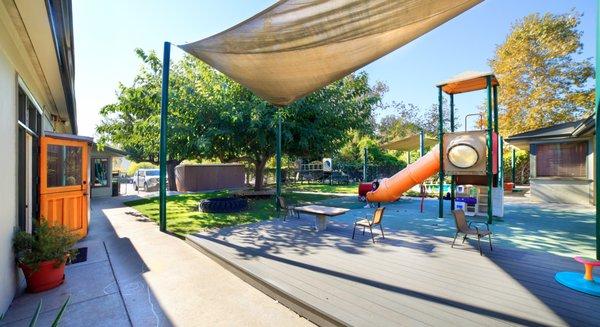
137,276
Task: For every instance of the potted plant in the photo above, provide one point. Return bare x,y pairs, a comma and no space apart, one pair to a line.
42,255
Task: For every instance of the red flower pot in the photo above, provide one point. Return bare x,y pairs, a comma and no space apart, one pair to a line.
48,276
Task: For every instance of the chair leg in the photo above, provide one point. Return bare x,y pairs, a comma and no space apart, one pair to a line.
455,236
381,227
372,237
490,238
464,239
479,244
353,230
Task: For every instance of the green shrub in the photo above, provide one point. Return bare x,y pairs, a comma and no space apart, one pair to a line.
47,243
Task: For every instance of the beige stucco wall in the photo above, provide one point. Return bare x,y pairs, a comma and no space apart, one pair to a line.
561,190
15,60
8,180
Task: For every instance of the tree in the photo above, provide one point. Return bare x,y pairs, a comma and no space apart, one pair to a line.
133,121
409,119
541,81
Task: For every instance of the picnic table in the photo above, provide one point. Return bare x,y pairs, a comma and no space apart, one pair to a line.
322,214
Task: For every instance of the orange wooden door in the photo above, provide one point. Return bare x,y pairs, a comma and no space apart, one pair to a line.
64,183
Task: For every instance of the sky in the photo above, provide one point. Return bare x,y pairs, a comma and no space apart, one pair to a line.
107,32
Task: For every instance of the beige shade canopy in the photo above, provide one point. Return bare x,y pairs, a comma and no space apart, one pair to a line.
295,47
467,82
409,143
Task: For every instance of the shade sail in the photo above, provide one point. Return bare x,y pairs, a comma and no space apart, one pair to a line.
298,46
409,143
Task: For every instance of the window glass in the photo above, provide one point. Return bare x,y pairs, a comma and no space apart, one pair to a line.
153,172
561,159
100,172
64,165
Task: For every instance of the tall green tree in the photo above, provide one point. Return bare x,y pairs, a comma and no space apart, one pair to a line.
242,127
133,121
213,117
542,82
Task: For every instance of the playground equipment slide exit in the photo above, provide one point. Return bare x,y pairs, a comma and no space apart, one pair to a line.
391,189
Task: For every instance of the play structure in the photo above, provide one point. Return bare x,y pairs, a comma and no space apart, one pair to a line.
473,159
321,172
585,282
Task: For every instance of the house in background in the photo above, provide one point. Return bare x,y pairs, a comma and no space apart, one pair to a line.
102,167
561,161
36,95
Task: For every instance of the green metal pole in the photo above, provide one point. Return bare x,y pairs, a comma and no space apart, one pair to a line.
365,165
512,166
596,140
278,162
422,143
490,173
441,148
162,207
452,178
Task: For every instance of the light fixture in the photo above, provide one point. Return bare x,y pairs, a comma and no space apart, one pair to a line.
463,155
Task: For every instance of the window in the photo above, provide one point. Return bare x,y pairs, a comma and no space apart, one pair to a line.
152,172
64,165
100,172
561,159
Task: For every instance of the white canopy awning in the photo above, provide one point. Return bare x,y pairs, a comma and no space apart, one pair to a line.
295,47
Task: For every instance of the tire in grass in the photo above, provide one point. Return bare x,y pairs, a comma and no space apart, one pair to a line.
223,205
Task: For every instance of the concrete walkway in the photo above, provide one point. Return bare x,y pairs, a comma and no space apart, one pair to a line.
137,276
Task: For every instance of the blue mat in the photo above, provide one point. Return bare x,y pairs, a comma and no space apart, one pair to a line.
575,281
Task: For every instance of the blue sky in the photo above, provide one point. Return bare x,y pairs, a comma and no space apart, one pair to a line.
107,32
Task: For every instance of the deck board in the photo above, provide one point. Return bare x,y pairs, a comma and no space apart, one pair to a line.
404,279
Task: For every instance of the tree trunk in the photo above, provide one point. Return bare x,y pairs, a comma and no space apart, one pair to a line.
259,170
171,164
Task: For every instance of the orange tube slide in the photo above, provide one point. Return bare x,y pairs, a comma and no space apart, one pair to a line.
391,189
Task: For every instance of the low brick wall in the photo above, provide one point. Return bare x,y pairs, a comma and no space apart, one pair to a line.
208,177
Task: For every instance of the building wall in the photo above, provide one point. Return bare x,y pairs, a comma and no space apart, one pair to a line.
563,189
8,180
15,61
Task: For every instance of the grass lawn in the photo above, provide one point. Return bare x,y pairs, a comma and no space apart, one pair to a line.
351,188
183,216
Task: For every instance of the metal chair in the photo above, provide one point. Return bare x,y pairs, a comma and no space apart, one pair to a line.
377,220
288,210
462,227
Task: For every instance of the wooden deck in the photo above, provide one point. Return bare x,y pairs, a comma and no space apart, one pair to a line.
404,279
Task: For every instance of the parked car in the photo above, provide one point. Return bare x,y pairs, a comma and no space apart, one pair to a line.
146,179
